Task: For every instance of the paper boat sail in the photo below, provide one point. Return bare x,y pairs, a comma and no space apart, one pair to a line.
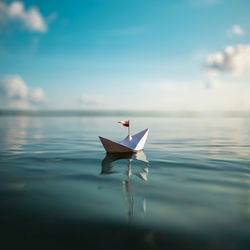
130,144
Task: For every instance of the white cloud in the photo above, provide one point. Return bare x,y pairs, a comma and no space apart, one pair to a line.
236,30
234,60
14,93
30,19
214,84
37,95
14,87
91,101
212,95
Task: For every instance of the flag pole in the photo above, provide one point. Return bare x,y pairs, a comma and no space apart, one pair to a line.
128,127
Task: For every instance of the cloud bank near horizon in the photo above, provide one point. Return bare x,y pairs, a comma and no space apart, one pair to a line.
15,94
87,101
208,95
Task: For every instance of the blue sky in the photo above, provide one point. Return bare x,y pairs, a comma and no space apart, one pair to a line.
117,54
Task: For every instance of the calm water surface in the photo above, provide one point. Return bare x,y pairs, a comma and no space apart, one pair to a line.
191,184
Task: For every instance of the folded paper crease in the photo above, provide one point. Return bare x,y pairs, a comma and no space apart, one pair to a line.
131,144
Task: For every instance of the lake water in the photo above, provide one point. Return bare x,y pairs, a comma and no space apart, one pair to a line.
189,189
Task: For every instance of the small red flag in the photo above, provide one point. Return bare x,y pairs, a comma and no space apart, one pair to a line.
124,123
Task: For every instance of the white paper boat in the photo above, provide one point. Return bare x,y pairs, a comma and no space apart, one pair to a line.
130,144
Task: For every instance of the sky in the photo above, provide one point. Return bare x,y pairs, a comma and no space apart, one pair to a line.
125,54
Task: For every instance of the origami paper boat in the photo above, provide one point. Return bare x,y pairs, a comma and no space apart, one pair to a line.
130,144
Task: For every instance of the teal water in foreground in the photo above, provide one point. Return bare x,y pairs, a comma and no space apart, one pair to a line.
192,192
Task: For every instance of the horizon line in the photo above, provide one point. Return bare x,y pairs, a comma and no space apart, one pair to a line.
133,113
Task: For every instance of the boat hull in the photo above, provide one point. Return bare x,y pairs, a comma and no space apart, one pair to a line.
130,144
114,147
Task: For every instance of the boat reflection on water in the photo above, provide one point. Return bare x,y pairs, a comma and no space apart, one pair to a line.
142,173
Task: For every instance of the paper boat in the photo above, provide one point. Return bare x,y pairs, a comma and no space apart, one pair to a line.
130,144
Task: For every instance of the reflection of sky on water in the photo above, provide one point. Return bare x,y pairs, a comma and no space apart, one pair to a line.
16,132
203,137
198,174
131,201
